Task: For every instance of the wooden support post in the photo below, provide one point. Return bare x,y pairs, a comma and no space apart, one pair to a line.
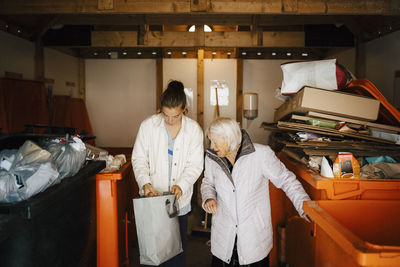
239,90
200,36
82,80
256,30
200,87
39,60
143,28
159,83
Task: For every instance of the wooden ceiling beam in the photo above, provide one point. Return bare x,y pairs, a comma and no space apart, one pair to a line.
196,39
159,19
202,18
298,7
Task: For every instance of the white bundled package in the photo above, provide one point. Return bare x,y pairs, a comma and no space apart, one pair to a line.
318,74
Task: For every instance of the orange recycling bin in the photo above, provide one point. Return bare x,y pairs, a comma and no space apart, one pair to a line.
320,188
354,233
114,210
301,245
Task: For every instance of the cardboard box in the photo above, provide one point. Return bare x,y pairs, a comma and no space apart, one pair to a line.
329,102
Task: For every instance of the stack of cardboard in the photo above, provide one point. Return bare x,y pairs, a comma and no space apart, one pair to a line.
337,121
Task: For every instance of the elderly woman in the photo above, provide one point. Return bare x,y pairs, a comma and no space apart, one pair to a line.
235,190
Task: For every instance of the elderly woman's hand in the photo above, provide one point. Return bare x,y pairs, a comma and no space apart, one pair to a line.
210,206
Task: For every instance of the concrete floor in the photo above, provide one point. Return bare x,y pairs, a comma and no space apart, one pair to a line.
198,252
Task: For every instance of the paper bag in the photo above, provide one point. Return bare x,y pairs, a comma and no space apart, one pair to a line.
157,229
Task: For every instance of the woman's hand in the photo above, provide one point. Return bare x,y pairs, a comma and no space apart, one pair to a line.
211,206
149,191
306,217
177,191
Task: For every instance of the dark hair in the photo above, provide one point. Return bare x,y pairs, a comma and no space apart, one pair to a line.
174,96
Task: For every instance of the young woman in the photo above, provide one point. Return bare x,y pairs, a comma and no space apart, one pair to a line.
168,156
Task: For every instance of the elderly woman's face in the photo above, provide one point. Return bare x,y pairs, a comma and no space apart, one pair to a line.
219,145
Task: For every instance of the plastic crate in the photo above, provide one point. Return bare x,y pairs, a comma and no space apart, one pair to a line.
354,233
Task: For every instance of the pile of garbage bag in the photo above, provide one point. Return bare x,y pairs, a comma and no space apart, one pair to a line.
32,168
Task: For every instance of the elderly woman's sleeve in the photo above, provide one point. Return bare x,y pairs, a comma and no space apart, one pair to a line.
207,185
194,162
282,178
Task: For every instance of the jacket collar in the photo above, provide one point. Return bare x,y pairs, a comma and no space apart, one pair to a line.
247,147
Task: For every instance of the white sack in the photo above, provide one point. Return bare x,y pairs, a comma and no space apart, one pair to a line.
319,74
158,234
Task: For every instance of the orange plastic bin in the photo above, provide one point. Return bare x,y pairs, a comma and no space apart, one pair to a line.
355,233
320,188
113,192
301,246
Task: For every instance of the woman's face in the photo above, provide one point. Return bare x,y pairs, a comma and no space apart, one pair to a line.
219,145
173,115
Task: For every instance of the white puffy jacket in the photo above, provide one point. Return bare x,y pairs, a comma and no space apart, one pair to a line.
150,156
243,200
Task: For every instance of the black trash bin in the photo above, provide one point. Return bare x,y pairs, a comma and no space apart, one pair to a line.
56,227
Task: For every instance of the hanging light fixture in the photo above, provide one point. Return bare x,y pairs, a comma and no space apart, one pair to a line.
206,28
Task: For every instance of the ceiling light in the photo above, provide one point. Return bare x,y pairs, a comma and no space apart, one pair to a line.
154,53
273,53
214,53
259,53
229,53
124,53
139,53
288,54
206,28
244,53
169,52
304,54
184,53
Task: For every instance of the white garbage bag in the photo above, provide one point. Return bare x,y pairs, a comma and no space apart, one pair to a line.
318,74
30,173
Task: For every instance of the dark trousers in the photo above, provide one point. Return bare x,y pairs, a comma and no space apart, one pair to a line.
235,261
180,259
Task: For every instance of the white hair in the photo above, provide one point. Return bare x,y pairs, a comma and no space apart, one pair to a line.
228,129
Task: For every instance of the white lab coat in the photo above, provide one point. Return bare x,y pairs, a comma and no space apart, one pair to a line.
150,156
